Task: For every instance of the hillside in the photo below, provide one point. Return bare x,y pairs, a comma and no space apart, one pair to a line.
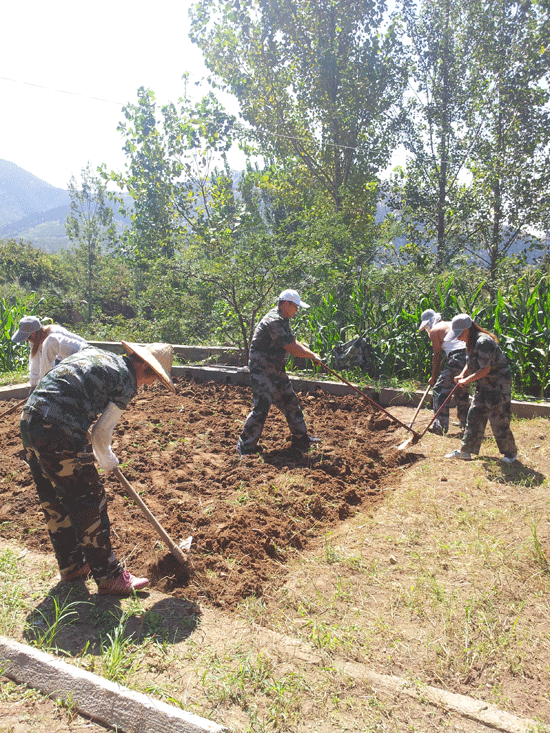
23,194
33,210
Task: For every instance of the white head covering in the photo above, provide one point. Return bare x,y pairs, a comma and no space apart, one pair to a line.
428,320
293,296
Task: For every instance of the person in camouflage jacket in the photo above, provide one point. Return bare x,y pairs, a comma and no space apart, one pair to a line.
488,368
54,428
271,345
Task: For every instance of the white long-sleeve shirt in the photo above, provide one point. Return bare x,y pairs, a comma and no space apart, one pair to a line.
57,345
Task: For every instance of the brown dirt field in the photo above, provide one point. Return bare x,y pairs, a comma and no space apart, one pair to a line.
178,452
400,563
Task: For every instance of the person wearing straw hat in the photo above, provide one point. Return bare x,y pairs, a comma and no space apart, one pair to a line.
443,382
49,344
271,345
54,427
488,368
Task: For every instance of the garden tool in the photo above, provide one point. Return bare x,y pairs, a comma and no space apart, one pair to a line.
419,405
13,408
375,404
417,437
178,551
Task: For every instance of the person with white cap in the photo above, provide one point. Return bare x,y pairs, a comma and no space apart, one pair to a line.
271,345
488,368
49,345
54,427
443,383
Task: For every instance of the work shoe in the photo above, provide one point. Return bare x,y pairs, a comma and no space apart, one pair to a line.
304,442
459,454
509,458
80,574
437,428
122,585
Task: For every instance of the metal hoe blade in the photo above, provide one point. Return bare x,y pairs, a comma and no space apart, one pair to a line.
417,437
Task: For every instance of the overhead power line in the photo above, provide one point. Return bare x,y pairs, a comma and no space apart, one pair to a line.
123,104
62,91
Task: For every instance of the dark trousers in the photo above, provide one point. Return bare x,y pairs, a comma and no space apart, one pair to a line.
72,499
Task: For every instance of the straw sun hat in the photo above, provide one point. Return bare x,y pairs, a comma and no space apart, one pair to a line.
158,356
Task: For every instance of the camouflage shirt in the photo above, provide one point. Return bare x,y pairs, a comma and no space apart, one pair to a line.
75,392
270,337
486,353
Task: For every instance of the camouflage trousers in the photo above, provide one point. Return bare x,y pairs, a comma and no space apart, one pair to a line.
72,498
271,385
455,363
491,403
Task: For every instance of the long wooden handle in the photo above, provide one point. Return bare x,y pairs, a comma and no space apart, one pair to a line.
13,408
174,549
378,407
419,405
451,393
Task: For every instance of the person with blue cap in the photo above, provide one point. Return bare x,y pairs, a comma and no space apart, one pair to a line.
49,344
488,368
272,344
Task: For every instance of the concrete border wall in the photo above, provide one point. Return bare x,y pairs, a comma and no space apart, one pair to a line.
239,375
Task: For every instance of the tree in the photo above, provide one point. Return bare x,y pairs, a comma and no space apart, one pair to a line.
168,174
430,192
319,82
90,225
510,161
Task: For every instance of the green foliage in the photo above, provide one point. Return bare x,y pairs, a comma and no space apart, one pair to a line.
14,357
320,85
385,308
90,227
28,267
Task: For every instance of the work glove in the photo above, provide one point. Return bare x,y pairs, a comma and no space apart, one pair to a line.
101,435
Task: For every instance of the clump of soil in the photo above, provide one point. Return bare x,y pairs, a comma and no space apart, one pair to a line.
245,515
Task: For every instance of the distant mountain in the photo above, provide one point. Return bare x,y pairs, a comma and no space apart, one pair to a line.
33,210
22,194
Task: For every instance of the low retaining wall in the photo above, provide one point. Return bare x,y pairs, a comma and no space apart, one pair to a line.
239,375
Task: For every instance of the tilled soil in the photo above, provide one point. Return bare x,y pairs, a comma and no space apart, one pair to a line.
245,515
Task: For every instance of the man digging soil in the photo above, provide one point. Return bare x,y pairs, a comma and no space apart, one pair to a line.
54,426
271,345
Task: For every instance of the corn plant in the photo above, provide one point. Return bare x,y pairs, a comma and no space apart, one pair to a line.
12,357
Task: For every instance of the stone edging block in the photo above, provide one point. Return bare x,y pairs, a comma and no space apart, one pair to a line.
98,698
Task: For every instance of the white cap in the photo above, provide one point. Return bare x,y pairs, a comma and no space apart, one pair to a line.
293,297
425,318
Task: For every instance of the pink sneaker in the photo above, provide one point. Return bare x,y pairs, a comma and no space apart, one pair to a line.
122,585
80,574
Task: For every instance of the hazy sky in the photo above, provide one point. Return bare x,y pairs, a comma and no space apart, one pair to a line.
89,52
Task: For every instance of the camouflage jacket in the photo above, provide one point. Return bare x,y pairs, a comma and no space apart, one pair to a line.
76,391
270,337
486,353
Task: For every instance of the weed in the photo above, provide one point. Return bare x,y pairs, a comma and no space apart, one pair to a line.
44,626
12,602
538,551
118,659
